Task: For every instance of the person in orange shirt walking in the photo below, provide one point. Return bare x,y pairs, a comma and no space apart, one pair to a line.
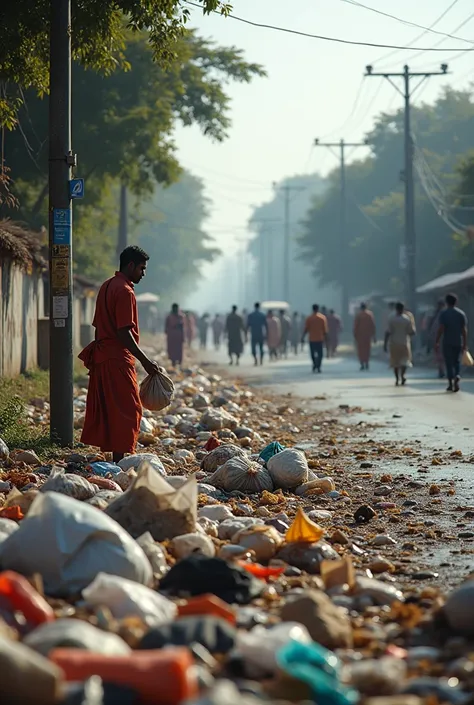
317,328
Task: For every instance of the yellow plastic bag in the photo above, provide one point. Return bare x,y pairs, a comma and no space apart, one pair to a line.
157,391
303,530
467,360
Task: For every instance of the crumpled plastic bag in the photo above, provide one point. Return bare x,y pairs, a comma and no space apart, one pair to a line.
303,530
219,456
467,360
76,634
241,474
157,391
319,668
69,484
288,469
68,542
258,647
134,461
151,504
270,450
155,554
124,598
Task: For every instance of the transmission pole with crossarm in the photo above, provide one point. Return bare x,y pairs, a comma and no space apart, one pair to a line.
408,251
342,144
287,189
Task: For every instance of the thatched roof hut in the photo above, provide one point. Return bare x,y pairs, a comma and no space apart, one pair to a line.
21,245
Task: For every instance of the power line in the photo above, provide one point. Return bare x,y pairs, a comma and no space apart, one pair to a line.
441,41
367,217
409,247
338,40
228,176
355,105
367,110
342,144
407,22
419,36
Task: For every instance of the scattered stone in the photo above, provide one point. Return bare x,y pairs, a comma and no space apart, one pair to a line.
338,537
384,540
459,609
327,624
466,535
26,456
381,565
307,556
364,514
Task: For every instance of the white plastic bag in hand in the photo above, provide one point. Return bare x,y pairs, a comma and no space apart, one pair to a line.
157,391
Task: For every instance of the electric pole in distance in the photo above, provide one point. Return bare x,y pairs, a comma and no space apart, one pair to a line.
287,189
61,160
342,144
265,255
408,252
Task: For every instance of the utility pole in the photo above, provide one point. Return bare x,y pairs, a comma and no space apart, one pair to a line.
122,240
61,160
287,189
345,294
408,250
265,256
241,272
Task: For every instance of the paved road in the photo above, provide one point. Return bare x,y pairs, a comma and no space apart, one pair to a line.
427,412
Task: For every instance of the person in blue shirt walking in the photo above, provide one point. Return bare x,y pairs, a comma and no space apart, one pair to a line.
257,325
453,329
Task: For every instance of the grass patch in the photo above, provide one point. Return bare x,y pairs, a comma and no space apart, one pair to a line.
15,428
30,385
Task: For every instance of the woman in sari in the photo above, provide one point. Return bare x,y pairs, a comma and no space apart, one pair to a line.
174,329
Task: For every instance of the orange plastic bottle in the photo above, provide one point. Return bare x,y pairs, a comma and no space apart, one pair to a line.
207,604
160,677
24,598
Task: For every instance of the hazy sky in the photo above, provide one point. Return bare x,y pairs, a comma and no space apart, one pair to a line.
310,91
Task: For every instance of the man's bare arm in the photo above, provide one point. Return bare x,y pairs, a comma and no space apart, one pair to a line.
128,341
464,338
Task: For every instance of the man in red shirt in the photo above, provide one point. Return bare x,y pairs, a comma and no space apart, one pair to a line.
317,328
114,410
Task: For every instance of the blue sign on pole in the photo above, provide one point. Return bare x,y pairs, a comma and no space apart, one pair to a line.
61,226
76,188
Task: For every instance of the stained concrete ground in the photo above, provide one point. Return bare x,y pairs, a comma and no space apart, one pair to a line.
420,413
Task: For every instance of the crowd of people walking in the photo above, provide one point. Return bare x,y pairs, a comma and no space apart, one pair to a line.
278,334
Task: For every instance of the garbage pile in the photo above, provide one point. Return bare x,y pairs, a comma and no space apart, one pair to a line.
219,564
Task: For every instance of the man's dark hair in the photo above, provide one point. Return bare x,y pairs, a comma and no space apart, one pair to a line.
234,309
399,307
331,312
134,254
315,308
363,306
451,299
257,306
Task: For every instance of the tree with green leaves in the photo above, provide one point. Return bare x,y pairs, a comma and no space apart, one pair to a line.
267,248
443,134
170,227
123,123
98,35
